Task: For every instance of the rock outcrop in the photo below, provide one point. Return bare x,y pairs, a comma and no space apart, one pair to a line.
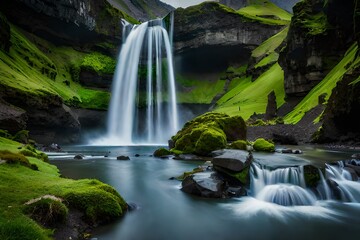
45,116
320,32
213,24
66,21
142,10
234,4
4,34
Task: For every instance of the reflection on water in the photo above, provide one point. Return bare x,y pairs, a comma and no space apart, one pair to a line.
165,212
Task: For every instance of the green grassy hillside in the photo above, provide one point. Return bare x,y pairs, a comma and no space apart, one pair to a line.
249,97
51,70
19,184
266,12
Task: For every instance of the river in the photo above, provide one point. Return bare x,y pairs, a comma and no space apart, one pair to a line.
165,212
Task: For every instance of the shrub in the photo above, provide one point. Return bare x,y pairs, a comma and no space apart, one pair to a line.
14,158
47,212
263,145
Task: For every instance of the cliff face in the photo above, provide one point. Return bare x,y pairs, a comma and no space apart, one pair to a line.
66,21
4,34
142,10
320,32
211,24
234,4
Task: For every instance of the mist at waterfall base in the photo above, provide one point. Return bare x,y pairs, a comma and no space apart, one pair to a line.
278,205
143,108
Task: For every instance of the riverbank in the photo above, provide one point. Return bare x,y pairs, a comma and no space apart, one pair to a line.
78,207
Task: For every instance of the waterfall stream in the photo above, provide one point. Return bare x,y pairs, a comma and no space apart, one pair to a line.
143,104
286,186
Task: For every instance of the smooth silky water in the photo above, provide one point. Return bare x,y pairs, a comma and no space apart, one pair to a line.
165,212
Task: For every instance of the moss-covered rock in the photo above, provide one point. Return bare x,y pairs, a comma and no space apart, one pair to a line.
161,152
209,132
97,204
311,175
21,136
47,211
263,145
239,144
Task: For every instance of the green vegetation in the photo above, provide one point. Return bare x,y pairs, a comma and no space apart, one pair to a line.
99,63
19,184
314,21
249,97
263,145
239,144
270,45
28,70
266,12
186,174
209,132
270,59
325,86
197,91
161,152
242,176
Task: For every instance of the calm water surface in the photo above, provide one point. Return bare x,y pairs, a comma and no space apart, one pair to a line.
165,212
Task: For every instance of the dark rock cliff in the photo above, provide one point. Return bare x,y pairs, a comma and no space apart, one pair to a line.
143,10
46,117
320,32
4,34
234,4
66,21
212,24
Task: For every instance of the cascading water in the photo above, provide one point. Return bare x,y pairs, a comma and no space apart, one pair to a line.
143,104
283,186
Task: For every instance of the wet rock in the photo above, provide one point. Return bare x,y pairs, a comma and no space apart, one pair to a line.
191,157
311,175
353,174
206,184
122,157
132,206
235,191
271,107
79,156
297,151
162,153
171,144
356,168
234,160
137,155
356,156
284,138
285,150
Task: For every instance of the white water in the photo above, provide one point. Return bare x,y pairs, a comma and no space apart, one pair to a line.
146,45
286,186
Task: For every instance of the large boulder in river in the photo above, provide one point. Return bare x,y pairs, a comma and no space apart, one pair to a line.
233,160
209,132
206,184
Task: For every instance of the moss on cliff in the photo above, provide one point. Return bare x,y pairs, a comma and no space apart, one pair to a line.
266,12
28,69
310,101
99,63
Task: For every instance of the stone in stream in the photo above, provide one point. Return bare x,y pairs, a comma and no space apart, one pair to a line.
123,157
79,156
233,160
205,184
356,156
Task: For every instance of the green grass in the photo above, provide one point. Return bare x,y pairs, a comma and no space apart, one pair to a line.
270,45
197,91
316,24
267,13
18,184
251,96
99,63
349,60
27,69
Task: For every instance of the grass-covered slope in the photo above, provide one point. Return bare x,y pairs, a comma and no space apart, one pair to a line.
249,97
349,60
51,70
266,12
19,184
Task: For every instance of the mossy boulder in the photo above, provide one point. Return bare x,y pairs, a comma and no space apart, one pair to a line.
311,175
239,144
263,145
209,132
161,152
97,204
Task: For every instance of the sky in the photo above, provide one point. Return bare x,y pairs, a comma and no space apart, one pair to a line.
182,3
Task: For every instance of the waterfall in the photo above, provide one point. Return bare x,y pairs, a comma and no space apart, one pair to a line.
283,186
143,107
